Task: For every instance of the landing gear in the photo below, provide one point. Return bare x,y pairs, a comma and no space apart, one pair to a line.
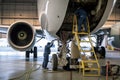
100,52
31,51
103,52
27,55
35,52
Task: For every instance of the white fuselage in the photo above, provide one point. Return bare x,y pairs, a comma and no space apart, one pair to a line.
52,12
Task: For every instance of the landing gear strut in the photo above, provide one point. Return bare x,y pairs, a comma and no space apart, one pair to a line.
31,51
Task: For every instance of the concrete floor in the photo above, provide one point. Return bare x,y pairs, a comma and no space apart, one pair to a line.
15,68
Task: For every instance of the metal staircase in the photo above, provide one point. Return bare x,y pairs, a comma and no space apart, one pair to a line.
89,66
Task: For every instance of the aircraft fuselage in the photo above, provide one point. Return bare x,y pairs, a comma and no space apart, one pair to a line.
57,15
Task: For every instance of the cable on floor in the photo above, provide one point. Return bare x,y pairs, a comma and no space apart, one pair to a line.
27,73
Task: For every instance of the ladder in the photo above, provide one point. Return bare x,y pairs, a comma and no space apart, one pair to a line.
88,66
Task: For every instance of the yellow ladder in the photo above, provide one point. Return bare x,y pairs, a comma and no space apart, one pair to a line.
91,65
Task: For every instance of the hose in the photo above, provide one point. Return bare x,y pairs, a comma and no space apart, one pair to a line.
27,73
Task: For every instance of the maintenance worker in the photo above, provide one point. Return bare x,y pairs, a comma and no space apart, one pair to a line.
47,51
82,19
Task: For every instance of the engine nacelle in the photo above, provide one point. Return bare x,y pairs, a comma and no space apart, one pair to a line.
21,36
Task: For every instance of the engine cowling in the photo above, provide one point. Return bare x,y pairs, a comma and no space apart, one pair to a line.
21,36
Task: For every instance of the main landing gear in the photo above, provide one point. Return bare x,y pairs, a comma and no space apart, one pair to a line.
100,52
34,51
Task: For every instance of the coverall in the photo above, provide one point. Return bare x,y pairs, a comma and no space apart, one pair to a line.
46,54
82,18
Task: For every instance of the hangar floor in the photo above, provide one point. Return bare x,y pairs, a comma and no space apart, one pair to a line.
16,68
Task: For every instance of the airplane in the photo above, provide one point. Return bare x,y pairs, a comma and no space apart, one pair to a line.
112,35
56,20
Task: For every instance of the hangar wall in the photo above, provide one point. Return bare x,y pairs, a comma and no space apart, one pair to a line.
14,10
115,15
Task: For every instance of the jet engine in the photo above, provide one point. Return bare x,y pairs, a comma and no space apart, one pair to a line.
21,36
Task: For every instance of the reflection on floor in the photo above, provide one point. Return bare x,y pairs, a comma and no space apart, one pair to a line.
15,67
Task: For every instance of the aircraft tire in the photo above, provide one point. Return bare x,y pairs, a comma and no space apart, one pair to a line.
97,52
54,62
103,52
95,49
27,55
35,52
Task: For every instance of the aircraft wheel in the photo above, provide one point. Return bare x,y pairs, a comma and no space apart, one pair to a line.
54,62
67,66
95,49
35,52
27,55
103,52
97,52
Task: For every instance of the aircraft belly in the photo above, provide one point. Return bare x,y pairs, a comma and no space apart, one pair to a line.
55,14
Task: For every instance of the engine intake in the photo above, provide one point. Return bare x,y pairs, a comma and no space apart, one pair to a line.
21,36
